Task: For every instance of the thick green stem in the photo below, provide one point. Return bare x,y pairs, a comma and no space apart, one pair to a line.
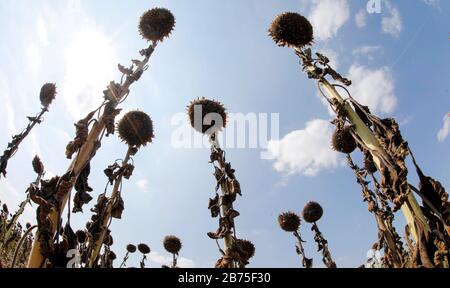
411,209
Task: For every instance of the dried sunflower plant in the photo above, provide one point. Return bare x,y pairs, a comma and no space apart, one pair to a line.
209,117
47,95
9,231
290,222
136,130
173,245
155,25
384,177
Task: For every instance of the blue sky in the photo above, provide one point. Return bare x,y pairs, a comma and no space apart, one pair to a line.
398,60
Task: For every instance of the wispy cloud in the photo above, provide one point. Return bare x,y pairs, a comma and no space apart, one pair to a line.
392,23
366,51
159,259
361,19
445,130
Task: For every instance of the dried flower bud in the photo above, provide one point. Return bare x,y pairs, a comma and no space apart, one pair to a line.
156,24
312,212
143,248
5,208
136,128
247,247
291,29
38,166
205,107
131,248
112,256
172,244
108,241
48,94
81,236
289,221
343,140
28,225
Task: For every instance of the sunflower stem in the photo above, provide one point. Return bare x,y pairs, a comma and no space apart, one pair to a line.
97,245
84,156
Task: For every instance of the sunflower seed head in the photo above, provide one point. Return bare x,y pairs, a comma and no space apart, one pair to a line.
289,221
136,129
312,212
292,30
156,24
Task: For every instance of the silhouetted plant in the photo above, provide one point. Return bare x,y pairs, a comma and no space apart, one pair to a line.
312,212
383,146
290,222
155,25
209,118
47,94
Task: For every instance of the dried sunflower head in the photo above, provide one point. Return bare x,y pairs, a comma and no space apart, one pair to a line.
343,141
131,248
108,241
48,94
247,247
291,29
81,236
136,128
312,212
172,244
156,24
204,107
112,256
289,221
38,166
143,248
5,208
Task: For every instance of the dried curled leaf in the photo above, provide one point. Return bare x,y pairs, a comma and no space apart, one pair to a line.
82,133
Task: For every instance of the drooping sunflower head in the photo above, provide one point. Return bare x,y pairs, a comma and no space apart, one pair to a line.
172,244
247,247
143,248
48,94
292,30
131,248
312,212
38,166
289,221
136,129
81,236
156,24
207,116
343,141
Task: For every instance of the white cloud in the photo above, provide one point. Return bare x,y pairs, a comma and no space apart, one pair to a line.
445,130
360,19
328,16
306,151
366,51
159,259
392,22
374,88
